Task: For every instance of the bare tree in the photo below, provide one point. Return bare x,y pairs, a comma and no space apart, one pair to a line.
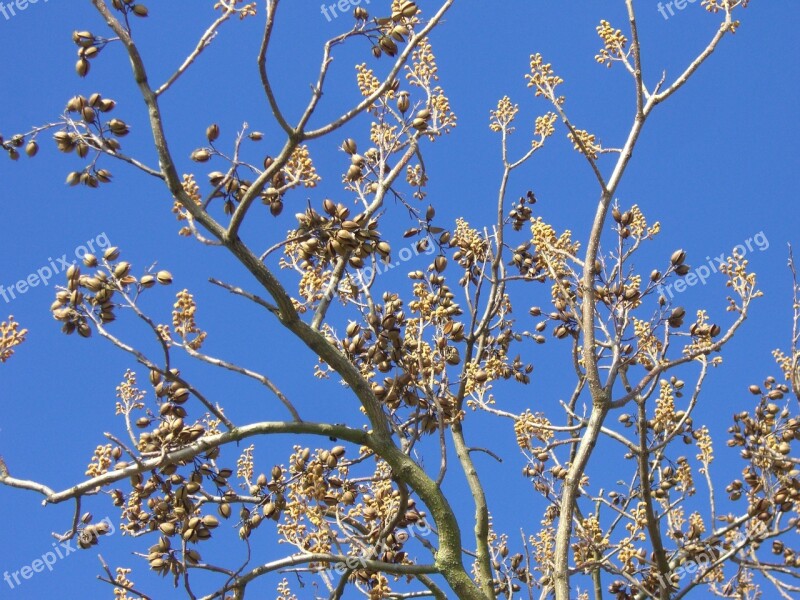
363,515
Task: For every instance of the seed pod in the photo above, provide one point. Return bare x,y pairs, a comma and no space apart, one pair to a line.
122,269
118,127
388,45
360,13
419,124
256,136
164,277
147,281
83,38
350,146
678,257
82,67
409,9
140,10
200,155
440,263
212,132
354,173
31,149
111,253
399,32
402,102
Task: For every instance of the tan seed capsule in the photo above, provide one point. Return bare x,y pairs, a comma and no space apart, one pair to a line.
83,38
82,67
678,257
200,155
409,9
419,124
164,277
111,253
403,102
350,146
147,281
140,10
122,269
212,132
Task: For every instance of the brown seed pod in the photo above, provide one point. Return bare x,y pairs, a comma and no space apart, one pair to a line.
164,277
212,132
408,9
349,146
82,67
403,102
111,253
140,10
200,155
678,257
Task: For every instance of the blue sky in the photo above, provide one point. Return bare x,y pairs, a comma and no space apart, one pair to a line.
717,165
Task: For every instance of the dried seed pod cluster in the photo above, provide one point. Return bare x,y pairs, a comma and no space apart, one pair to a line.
392,30
91,133
334,234
89,298
17,141
89,534
89,47
521,212
771,480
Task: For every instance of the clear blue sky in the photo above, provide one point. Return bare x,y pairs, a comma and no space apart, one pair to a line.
717,165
